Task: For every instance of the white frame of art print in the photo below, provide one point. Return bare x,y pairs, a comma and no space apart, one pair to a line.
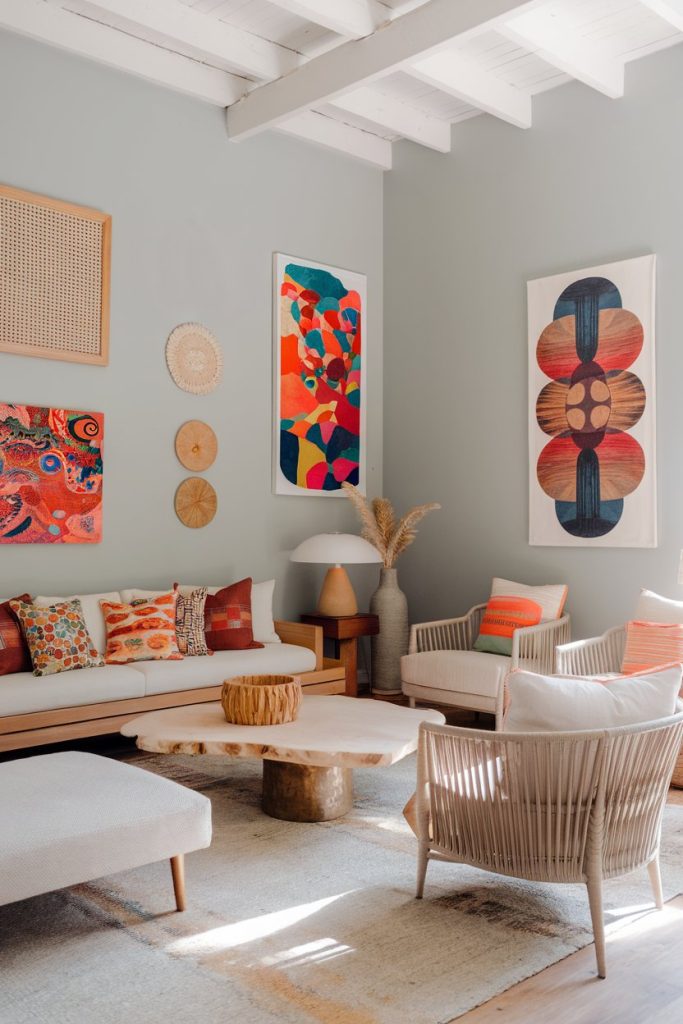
637,527
353,281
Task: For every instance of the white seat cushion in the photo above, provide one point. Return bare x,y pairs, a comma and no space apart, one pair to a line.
70,817
166,677
469,672
22,692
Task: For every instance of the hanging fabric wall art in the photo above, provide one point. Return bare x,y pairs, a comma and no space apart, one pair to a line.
592,407
320,355
50,475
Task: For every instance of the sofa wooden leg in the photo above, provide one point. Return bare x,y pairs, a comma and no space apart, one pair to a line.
178,874
411,702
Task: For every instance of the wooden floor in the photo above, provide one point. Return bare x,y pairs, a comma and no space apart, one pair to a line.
644,983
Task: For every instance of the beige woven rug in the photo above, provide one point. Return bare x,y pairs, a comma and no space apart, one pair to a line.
296,924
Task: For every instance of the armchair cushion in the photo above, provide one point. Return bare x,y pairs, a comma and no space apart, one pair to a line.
513,606
456,671
653,607
567,704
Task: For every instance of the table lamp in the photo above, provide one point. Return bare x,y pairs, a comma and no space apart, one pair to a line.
336,597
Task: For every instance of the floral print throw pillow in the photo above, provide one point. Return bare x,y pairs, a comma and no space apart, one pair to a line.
56,636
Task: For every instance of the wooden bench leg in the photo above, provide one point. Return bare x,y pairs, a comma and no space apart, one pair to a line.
178,873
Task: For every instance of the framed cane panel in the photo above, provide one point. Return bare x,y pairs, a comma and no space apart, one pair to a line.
54,278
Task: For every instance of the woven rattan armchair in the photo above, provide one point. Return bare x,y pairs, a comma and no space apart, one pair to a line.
471,679
547,807
601,655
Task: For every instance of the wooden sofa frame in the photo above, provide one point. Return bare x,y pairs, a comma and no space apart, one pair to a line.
41,727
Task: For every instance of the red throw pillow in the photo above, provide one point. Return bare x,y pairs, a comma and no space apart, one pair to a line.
14,656
227,618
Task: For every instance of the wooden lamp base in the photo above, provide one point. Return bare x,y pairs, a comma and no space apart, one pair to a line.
337,596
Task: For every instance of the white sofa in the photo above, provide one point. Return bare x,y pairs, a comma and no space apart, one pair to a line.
36,710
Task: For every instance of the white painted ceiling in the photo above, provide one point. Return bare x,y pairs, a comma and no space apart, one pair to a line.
357,75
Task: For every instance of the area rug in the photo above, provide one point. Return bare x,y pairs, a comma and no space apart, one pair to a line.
297,924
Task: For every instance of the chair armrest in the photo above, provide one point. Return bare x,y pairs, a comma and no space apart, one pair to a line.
533,647
447,634
302,635
599,655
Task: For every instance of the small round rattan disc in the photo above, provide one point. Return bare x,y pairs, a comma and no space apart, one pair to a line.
194,358
195,502
196,445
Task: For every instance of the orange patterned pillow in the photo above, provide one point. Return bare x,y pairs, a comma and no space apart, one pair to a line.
651,644
141,631
514,606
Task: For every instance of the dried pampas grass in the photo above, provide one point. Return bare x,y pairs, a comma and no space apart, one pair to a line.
380,527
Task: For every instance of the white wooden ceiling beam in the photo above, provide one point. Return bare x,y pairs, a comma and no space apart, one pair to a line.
398,117
171,23
669,10
351,18
362,61
463,79
339,137
89,39
545,34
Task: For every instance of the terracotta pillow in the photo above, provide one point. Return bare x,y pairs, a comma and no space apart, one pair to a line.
142,630
14,653
227,618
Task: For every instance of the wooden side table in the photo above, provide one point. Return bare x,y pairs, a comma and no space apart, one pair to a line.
345,631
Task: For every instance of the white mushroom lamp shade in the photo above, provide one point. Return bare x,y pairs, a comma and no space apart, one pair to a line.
336,549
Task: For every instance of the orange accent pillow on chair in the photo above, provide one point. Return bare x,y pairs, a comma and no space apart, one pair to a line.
651,644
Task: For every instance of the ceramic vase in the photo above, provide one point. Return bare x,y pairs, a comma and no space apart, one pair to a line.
386,649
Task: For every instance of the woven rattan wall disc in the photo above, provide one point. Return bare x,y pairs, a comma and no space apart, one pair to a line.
195,502
196,445
194,358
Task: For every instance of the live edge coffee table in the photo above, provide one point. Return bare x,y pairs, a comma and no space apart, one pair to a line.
307,764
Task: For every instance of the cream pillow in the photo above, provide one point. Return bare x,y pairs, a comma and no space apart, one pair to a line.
567,703
653,607
92,613
261,606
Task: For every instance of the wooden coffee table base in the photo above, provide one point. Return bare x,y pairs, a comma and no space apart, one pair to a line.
304,792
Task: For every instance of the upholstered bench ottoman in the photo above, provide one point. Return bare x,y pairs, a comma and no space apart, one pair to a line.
71,817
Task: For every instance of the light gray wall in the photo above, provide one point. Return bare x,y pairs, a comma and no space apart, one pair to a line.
594,180
195,222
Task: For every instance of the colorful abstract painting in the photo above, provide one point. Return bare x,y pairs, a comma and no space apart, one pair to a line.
50,475
319,378
592,407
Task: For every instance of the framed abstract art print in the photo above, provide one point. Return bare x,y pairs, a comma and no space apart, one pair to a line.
50,475
592,479
319,394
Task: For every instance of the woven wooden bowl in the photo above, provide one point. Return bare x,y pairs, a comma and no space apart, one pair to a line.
677,777
261,700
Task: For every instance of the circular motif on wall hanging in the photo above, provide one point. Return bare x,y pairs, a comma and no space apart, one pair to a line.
196,445
195,502
194,358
